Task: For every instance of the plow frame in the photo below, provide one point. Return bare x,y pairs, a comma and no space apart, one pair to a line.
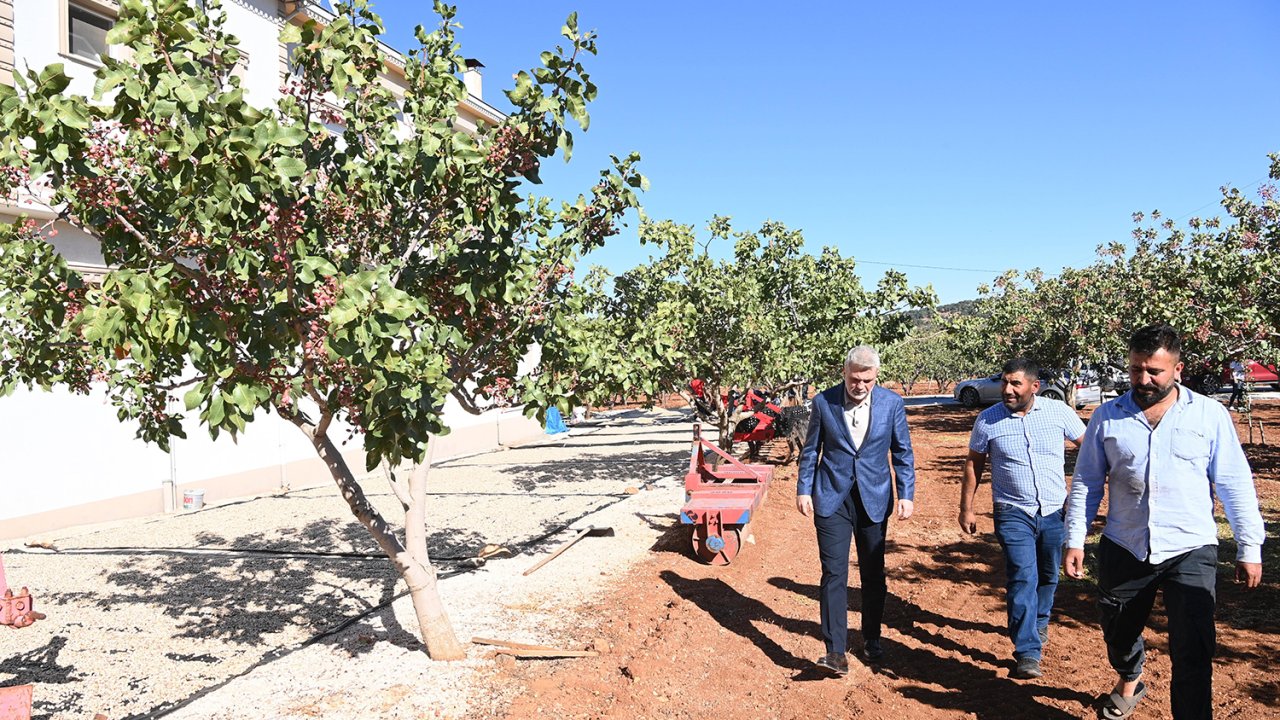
721,500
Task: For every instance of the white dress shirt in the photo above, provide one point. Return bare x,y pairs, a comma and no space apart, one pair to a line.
857,417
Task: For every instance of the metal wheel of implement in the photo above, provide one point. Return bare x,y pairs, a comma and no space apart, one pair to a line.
716,550
969,397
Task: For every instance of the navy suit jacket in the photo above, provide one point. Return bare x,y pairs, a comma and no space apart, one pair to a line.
830,465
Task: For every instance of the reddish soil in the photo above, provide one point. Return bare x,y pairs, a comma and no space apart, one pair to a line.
693,641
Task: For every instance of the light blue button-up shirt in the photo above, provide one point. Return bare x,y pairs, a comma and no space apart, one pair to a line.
1161,482
1026,453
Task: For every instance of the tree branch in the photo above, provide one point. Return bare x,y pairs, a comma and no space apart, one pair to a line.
174,386
398,487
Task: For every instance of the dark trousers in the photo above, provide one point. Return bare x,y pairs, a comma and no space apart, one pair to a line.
850,522
1128,588
1237,394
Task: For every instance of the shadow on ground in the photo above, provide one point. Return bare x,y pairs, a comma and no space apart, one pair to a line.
740,614
244,598
621,467
942,661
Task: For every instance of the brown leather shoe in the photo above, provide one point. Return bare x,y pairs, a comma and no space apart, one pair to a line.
837,663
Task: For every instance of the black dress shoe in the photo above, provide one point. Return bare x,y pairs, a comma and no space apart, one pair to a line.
872,651
835,662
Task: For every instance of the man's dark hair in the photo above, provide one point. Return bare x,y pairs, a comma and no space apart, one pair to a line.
1026,366
1157,336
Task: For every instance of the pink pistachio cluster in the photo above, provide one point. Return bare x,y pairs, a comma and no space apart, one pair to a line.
511,152
286,226
353,224
502,391
13,178
324,110
109,188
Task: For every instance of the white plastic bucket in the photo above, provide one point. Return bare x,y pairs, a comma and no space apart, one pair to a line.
192,499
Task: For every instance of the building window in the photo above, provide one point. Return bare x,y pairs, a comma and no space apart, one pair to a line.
86,32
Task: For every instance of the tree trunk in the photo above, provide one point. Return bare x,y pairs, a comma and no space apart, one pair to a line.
437,631
411,562
1070,390
724,425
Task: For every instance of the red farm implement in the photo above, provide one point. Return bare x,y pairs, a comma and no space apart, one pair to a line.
764,420
762,429
721,498
16,611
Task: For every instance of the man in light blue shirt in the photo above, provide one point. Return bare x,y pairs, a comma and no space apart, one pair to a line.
1023,437
1164,453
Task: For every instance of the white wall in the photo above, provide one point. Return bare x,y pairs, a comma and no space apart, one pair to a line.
76,246
64,449
256,25
36,43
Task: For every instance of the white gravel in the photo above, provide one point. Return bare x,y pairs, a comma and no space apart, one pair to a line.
138,633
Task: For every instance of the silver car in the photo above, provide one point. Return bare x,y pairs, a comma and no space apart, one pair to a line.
986,390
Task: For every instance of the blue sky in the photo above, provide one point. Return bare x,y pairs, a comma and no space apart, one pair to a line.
983,135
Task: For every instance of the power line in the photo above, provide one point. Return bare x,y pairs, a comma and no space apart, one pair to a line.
1259,181
926,267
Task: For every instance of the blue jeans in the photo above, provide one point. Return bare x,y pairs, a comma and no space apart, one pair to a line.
1032,553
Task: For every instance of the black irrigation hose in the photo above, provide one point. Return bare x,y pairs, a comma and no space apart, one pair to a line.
157,712
459,569
221,551
273,655
290,554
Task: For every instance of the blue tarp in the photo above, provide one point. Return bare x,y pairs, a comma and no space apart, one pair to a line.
555,423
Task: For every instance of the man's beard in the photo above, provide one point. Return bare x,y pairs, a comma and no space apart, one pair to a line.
1018,405
1148,395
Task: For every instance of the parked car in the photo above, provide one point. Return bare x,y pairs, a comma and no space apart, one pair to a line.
1089,394
1053,384
979,391
1256,373
1206,382
1113,378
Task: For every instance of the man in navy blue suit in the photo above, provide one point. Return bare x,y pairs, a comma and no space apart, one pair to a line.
846,486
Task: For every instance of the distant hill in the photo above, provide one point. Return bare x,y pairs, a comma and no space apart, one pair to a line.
964,307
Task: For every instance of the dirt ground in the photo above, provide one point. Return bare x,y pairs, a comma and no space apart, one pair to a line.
693,641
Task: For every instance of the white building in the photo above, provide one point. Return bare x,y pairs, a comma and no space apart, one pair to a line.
67,460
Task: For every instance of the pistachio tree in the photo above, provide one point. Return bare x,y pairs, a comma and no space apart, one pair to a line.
1213,278
760,312
938,350
350,256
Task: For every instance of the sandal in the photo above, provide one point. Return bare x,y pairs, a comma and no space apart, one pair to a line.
1118,707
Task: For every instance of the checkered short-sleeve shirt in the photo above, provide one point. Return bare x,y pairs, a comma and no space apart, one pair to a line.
1026,453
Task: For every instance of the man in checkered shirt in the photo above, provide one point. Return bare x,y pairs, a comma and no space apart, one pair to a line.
1023,438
